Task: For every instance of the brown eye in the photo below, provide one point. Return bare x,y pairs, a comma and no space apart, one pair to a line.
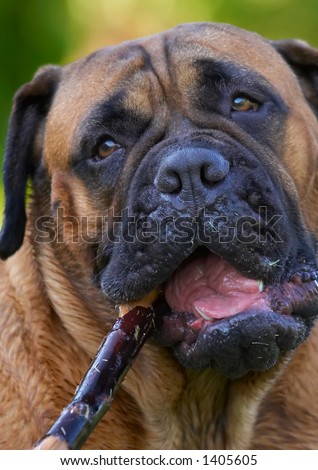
243,104
106,148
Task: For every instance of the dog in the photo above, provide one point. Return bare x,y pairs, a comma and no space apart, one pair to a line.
185,161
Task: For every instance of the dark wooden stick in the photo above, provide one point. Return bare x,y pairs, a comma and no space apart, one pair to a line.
96,392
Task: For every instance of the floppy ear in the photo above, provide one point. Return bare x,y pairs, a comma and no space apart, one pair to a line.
303,59
31,105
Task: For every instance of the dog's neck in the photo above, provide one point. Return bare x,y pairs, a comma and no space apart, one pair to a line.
197,409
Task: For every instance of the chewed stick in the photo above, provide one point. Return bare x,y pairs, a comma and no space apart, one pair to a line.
94,396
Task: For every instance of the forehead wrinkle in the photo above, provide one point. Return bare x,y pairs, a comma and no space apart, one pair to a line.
140,96
221,71
243,48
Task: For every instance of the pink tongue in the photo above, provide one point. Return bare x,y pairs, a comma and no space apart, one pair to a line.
209,287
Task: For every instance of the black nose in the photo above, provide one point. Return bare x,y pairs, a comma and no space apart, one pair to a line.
190,169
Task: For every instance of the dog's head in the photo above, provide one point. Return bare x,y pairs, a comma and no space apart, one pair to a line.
192,158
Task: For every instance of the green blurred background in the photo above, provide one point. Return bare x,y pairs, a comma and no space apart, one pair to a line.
37,32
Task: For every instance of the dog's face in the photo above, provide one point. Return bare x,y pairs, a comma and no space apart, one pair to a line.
195,152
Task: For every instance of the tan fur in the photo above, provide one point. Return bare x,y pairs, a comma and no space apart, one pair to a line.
53,318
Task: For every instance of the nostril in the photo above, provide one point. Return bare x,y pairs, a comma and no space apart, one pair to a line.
168,182
212,173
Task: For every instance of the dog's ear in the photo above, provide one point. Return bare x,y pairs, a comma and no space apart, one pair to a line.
303,59
31,105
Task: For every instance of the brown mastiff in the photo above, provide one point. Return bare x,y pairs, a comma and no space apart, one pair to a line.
185,161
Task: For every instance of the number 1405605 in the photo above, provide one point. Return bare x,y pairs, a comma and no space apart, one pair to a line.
230,459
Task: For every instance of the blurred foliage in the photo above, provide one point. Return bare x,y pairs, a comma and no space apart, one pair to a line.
36,32
32,32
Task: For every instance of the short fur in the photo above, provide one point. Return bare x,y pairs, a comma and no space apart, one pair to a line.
54,314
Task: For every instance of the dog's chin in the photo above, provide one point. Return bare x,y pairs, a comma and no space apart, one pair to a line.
211,315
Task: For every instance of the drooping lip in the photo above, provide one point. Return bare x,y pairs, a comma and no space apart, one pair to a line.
251,335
